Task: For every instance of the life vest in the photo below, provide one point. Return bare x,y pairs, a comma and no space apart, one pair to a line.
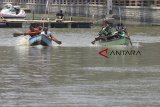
33,33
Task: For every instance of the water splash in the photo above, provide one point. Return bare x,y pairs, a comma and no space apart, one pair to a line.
22,41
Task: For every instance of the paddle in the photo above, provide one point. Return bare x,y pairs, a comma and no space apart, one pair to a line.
30,33
58,42
17,34
55,40
129,39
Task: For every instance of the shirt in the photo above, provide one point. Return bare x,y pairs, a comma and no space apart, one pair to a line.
106,31
60,15
48,33
33,33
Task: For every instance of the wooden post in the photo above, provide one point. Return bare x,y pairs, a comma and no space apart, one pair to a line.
33,15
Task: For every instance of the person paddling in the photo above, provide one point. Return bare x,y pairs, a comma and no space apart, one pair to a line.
32,32
122,32
49,35
105,33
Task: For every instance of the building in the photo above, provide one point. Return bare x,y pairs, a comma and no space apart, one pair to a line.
143,11
139,10
70,7
95,2
136,2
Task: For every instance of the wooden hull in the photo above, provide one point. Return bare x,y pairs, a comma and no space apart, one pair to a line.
40,40
121,41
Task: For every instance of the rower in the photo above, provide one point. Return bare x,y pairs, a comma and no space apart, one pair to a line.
49,35
33,31
105,33
121,30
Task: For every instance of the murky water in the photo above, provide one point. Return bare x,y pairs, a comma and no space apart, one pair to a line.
75,75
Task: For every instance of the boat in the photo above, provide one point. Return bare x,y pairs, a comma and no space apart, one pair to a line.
40,40
122,39
10,11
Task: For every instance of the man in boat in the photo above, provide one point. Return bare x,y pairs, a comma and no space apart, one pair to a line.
33,31
38,29
49,35
120,31
105,33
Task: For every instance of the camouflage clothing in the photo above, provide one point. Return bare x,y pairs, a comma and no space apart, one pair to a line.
107,31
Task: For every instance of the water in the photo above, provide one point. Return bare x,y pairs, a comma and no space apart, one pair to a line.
75,75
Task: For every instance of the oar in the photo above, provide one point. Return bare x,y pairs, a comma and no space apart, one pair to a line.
17,34
58,42
55,40
129,39
97,38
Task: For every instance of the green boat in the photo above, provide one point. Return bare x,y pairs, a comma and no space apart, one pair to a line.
122,40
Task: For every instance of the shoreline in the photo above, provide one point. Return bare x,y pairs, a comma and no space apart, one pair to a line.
95,20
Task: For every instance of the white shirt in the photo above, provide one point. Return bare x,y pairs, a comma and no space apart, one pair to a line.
48,33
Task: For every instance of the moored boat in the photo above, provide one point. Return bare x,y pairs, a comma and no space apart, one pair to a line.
40,40
10,11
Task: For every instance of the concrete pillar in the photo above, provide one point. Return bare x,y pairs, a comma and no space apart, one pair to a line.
142,4
155,2
56,2
109,6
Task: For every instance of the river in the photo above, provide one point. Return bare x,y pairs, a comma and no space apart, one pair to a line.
75,75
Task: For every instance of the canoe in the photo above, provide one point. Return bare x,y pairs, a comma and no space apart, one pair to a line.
120,41
40,40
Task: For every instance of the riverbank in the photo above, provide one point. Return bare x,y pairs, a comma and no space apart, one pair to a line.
130,22
83,22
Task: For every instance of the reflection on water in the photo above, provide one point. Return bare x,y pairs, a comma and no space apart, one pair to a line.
75,75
